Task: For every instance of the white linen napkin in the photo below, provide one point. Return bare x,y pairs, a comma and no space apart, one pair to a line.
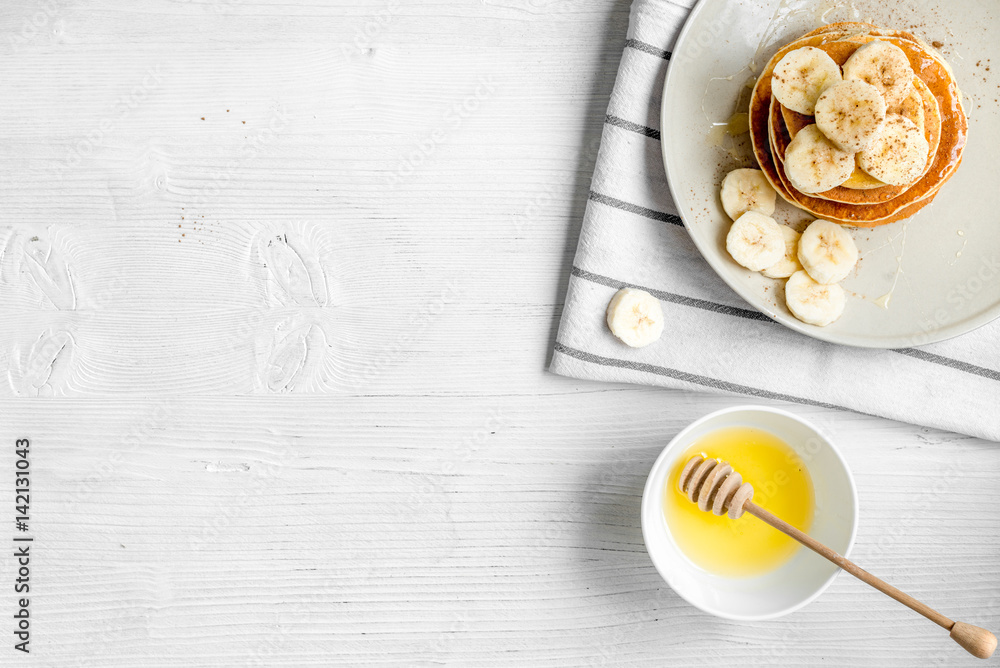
632,237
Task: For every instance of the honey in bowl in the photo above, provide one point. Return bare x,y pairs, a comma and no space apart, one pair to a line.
745,547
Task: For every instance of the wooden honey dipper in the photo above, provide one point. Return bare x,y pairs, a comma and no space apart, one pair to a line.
715,486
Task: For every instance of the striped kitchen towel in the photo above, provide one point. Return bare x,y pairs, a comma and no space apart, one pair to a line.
632,237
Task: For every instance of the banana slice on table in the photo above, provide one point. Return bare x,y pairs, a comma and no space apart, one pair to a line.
885,66
813,164
747,190
827,252
755,241
801,76
850,114
789,264
635,317
813,303
898,154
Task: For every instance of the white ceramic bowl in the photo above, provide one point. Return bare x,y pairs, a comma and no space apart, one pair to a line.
801,579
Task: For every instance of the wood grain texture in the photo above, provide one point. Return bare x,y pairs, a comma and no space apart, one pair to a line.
283,368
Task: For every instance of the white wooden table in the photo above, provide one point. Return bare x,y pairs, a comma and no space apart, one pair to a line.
279,285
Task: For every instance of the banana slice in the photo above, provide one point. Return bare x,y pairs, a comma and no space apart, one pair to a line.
801,76
747,190
813,303
850,114
789,264
755,241
635,317
898,154
885,66
912,107
813,164
827,252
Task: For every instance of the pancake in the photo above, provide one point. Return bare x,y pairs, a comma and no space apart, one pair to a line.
868,189
946,89
759,114
871,190
882,204
792,121
919,103
939,171
785,189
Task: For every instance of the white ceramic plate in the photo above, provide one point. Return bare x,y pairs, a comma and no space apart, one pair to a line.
940,268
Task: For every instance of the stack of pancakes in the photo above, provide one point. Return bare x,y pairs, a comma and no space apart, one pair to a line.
935,105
